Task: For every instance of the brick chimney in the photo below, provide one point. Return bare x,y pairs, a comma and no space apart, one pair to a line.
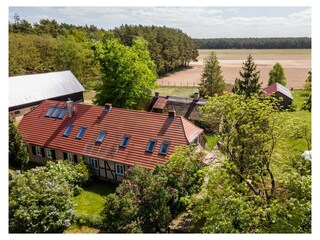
171,114
70,107
107,107
156,94
196,96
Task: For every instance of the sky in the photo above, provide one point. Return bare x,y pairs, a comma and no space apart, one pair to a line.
196,21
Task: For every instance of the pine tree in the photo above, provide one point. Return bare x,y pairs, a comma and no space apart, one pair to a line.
249,84
212,81
276,75
18,154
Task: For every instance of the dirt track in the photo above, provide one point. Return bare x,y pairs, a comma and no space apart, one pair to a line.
296,65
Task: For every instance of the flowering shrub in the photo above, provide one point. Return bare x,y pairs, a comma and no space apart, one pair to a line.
40,200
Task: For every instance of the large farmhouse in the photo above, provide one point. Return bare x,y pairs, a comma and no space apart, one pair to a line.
27,91
109,139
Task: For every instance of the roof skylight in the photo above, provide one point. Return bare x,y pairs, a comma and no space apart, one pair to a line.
124,141
81,132
68,130
101,136
49,112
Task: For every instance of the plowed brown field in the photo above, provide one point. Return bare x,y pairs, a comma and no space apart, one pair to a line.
296,64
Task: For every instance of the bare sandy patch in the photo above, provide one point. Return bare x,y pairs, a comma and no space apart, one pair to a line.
296,64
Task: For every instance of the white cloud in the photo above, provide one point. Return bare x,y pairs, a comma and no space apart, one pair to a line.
195,21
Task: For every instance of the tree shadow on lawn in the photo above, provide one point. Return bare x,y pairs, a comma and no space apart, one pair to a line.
101,187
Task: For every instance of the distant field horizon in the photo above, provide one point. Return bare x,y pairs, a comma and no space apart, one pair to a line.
296,64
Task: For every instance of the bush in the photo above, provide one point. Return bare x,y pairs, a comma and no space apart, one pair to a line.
40,199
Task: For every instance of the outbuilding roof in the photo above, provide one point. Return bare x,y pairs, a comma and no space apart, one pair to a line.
277,87
140,127
37,87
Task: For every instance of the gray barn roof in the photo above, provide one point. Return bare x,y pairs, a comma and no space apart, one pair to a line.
37,87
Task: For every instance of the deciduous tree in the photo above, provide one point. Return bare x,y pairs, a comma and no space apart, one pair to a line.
276,75
127,74
40,199
244,194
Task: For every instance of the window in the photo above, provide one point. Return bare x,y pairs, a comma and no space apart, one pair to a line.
38,151
124,141
50,110
164,148
81,132
94,163
68,130
49,153
17,112
119,169
101,136
151,145
56,112
63,112
70,157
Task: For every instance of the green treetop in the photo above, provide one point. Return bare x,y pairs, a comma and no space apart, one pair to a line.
127,73
276,75
248,84
212,81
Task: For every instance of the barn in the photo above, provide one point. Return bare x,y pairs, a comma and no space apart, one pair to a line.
28,91
280,91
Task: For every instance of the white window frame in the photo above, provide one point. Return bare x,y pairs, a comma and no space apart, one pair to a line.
38,151
70,157
118,171
49,153
94,163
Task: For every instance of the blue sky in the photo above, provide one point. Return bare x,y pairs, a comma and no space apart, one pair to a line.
198,22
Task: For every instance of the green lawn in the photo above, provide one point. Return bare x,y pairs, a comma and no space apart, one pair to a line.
92,199
211,142
176,91
293,146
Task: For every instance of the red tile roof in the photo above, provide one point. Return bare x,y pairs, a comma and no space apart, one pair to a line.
160,103
277,87
140,126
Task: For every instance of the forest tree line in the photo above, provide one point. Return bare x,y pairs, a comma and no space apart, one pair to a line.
50,46
254,43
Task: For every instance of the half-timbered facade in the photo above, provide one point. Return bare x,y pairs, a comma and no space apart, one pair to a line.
110,140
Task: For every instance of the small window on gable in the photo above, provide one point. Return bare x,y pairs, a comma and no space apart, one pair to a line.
68,130
124,141
81,132
49,112
63,112
151,145
164,148
56,112
101,136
